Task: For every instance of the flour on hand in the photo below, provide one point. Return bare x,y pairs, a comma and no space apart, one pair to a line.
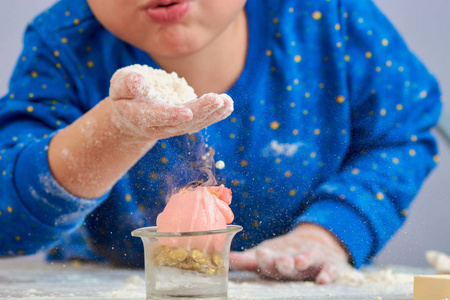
157,84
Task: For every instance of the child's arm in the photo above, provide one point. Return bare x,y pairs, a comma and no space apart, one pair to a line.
35,211
394,103
90,155
58,158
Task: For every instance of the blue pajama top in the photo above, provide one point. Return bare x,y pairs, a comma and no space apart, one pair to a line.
331,125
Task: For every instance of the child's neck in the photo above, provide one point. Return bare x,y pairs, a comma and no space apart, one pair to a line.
216,67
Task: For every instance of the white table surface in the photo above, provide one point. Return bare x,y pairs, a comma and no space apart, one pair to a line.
32,278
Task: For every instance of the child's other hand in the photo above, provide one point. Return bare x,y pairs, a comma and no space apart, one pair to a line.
135,115
309,252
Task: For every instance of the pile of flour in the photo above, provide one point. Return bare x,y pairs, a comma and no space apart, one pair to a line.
163,86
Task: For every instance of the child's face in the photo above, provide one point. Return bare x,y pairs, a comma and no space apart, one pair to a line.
167,28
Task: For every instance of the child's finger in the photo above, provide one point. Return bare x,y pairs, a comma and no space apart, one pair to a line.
243,261
143,114
227,101
163,114
216,116
286,266
328,274
222,112
205,105
126,84
304,260
267,263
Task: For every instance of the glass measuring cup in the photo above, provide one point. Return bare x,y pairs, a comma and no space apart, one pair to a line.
186,265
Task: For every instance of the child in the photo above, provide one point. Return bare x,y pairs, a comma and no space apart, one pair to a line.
328,143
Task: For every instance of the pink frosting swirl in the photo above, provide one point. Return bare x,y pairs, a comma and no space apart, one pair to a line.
196,209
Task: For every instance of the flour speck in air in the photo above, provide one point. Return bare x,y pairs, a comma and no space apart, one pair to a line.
220,164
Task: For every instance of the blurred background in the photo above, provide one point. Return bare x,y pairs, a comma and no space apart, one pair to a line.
424,25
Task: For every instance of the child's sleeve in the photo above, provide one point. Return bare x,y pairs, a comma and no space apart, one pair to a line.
394,103
35,211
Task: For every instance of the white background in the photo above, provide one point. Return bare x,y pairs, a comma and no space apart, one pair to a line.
425,26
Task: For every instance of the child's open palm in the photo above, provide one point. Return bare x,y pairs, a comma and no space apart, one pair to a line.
135,114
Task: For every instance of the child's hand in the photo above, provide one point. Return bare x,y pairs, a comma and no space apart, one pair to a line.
309,252
135,115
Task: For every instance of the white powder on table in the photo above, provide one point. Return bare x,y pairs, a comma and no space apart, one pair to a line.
370,284
380,279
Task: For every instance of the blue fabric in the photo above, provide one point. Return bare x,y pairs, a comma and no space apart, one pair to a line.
331,125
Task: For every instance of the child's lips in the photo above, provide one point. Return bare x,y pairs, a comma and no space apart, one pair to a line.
167,11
